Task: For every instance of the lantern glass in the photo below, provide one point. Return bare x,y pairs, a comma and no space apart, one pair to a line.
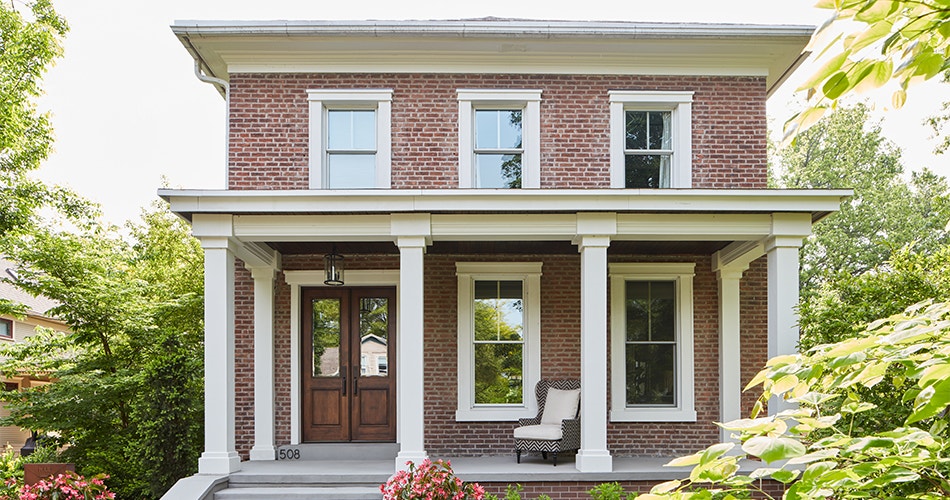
333,267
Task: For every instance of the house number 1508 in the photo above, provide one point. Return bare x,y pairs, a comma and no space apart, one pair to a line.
289,454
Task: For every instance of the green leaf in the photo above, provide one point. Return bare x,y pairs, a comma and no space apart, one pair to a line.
785,476
876,11
666,487
771,449
899,98
715,451
931,400
874,33
831,67
684,461
836,85
814,456
816,470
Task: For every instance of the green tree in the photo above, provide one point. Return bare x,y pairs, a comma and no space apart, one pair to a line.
816,449
128,393
881,41
846,150
29,43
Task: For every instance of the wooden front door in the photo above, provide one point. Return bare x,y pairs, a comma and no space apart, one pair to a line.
349,372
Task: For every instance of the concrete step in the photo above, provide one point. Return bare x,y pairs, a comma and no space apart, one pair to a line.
301,493
338,451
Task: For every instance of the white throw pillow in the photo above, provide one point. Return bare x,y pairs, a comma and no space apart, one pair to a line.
560,405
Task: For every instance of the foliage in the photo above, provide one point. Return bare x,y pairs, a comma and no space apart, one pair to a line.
429,481
815,449
68,486
886,212
882,41
610,491
128,391
29,43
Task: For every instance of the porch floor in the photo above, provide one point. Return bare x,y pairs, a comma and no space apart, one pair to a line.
489,469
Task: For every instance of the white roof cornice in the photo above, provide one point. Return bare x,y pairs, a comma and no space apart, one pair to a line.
495,46
817,202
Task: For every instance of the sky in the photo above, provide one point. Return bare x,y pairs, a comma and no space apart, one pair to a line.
130,116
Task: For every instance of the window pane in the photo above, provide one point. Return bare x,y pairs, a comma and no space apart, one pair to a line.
351,171
374,335
662,311
497,171
647,171
660,130
636,127
650,374
498,373
351,129
497,129
6,328
499,311
638,310
326,337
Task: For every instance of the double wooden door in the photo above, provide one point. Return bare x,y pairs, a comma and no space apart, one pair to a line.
349,372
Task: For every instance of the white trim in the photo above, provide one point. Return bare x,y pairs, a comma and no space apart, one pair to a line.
530,102
263,448
679,104
378,99
682,274
314,278
530,274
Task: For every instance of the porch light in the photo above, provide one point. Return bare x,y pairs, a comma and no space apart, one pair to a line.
333,267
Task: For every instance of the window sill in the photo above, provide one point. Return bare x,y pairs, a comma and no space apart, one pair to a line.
653,415
494,414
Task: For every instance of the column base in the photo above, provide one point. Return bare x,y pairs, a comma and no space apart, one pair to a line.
219,462
263,453
409,456
594,461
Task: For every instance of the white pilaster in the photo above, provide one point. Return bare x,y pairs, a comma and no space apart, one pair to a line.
263,364
782,249
219,456
730,351
410,377
593,455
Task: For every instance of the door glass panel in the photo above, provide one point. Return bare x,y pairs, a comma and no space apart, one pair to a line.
374,336
326,337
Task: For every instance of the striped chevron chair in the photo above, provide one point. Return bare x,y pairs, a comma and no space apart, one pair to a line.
557,427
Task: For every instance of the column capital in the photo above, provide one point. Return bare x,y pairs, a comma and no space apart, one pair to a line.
412,242
261,272
412,226
773,242
730,273
589,240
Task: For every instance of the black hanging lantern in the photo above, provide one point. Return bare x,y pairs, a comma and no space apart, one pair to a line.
333,267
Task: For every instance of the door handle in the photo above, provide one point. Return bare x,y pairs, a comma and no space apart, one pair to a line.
343,371
356,381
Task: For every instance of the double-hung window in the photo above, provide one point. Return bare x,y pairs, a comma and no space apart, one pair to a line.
652,342
6,329
350,143
650,139
499,138
499,323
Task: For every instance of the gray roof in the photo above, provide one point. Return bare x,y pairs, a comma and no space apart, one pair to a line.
36,306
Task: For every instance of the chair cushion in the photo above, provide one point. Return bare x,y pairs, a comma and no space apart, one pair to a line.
560,405
543,432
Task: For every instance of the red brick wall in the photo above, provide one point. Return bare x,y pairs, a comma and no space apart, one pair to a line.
270,121
560,327
243,359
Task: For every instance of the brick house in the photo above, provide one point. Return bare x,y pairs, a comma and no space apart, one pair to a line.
513,200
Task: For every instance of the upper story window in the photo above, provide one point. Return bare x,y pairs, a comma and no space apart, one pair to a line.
499,323
499,138
651,317
350,138
6,329
650,139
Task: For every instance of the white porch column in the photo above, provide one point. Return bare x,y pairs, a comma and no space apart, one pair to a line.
410,379
782,248
219,456
263,363
730,352
594,232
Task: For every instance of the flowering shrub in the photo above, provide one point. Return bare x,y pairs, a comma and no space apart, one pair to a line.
68,486
429,481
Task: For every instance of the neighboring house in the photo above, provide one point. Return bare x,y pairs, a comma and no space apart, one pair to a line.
518,200
17,329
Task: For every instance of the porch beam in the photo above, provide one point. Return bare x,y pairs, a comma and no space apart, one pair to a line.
594,231
263,448
220,455
410,378
782,248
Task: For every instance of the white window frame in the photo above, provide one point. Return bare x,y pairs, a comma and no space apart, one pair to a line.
679,104
322,100
529,101
530,274
682,275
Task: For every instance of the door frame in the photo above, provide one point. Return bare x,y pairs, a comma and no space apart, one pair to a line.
314,278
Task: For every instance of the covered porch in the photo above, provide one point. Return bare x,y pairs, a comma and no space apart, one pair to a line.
730,229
